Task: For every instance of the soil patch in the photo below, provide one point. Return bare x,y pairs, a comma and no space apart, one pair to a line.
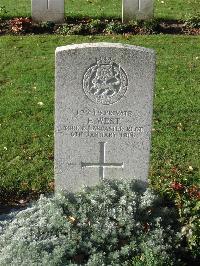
88,26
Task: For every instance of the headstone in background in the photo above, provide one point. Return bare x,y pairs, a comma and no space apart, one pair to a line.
103,113
48,10
136,9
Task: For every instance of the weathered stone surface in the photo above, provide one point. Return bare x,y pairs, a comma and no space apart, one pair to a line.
136,9
103,113
48,10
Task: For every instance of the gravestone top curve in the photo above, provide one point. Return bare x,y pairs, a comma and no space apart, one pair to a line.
105,44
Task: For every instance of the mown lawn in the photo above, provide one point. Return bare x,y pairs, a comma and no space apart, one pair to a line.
166,9
27,107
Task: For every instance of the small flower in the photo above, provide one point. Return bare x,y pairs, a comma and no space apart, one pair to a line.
146,227
190,168
71,219
51,184
40,103
180,126
194,192
5,148
176,186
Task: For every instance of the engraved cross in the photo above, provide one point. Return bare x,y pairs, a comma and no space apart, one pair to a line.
102,164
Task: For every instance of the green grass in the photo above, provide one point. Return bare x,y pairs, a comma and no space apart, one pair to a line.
167,9
27,78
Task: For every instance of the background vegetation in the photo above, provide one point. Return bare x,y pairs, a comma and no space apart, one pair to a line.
165,9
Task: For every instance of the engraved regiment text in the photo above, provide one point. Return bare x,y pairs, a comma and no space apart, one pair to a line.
102,123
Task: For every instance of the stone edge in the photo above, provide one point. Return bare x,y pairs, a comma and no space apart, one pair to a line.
106,45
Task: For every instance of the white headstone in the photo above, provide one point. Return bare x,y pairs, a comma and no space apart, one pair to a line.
103,113
48,10
136,9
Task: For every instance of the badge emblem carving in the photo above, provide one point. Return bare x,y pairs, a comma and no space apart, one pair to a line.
105,82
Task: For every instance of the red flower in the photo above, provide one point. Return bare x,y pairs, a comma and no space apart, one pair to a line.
176,186
146,227
20,24
194,192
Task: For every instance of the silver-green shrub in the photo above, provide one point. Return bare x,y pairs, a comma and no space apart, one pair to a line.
115,223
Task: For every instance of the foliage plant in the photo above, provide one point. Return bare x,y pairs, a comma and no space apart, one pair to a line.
97,25
187,200
114,223
47,26
20,25
114,27
88,26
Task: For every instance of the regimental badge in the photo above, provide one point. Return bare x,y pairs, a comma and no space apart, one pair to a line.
105,82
